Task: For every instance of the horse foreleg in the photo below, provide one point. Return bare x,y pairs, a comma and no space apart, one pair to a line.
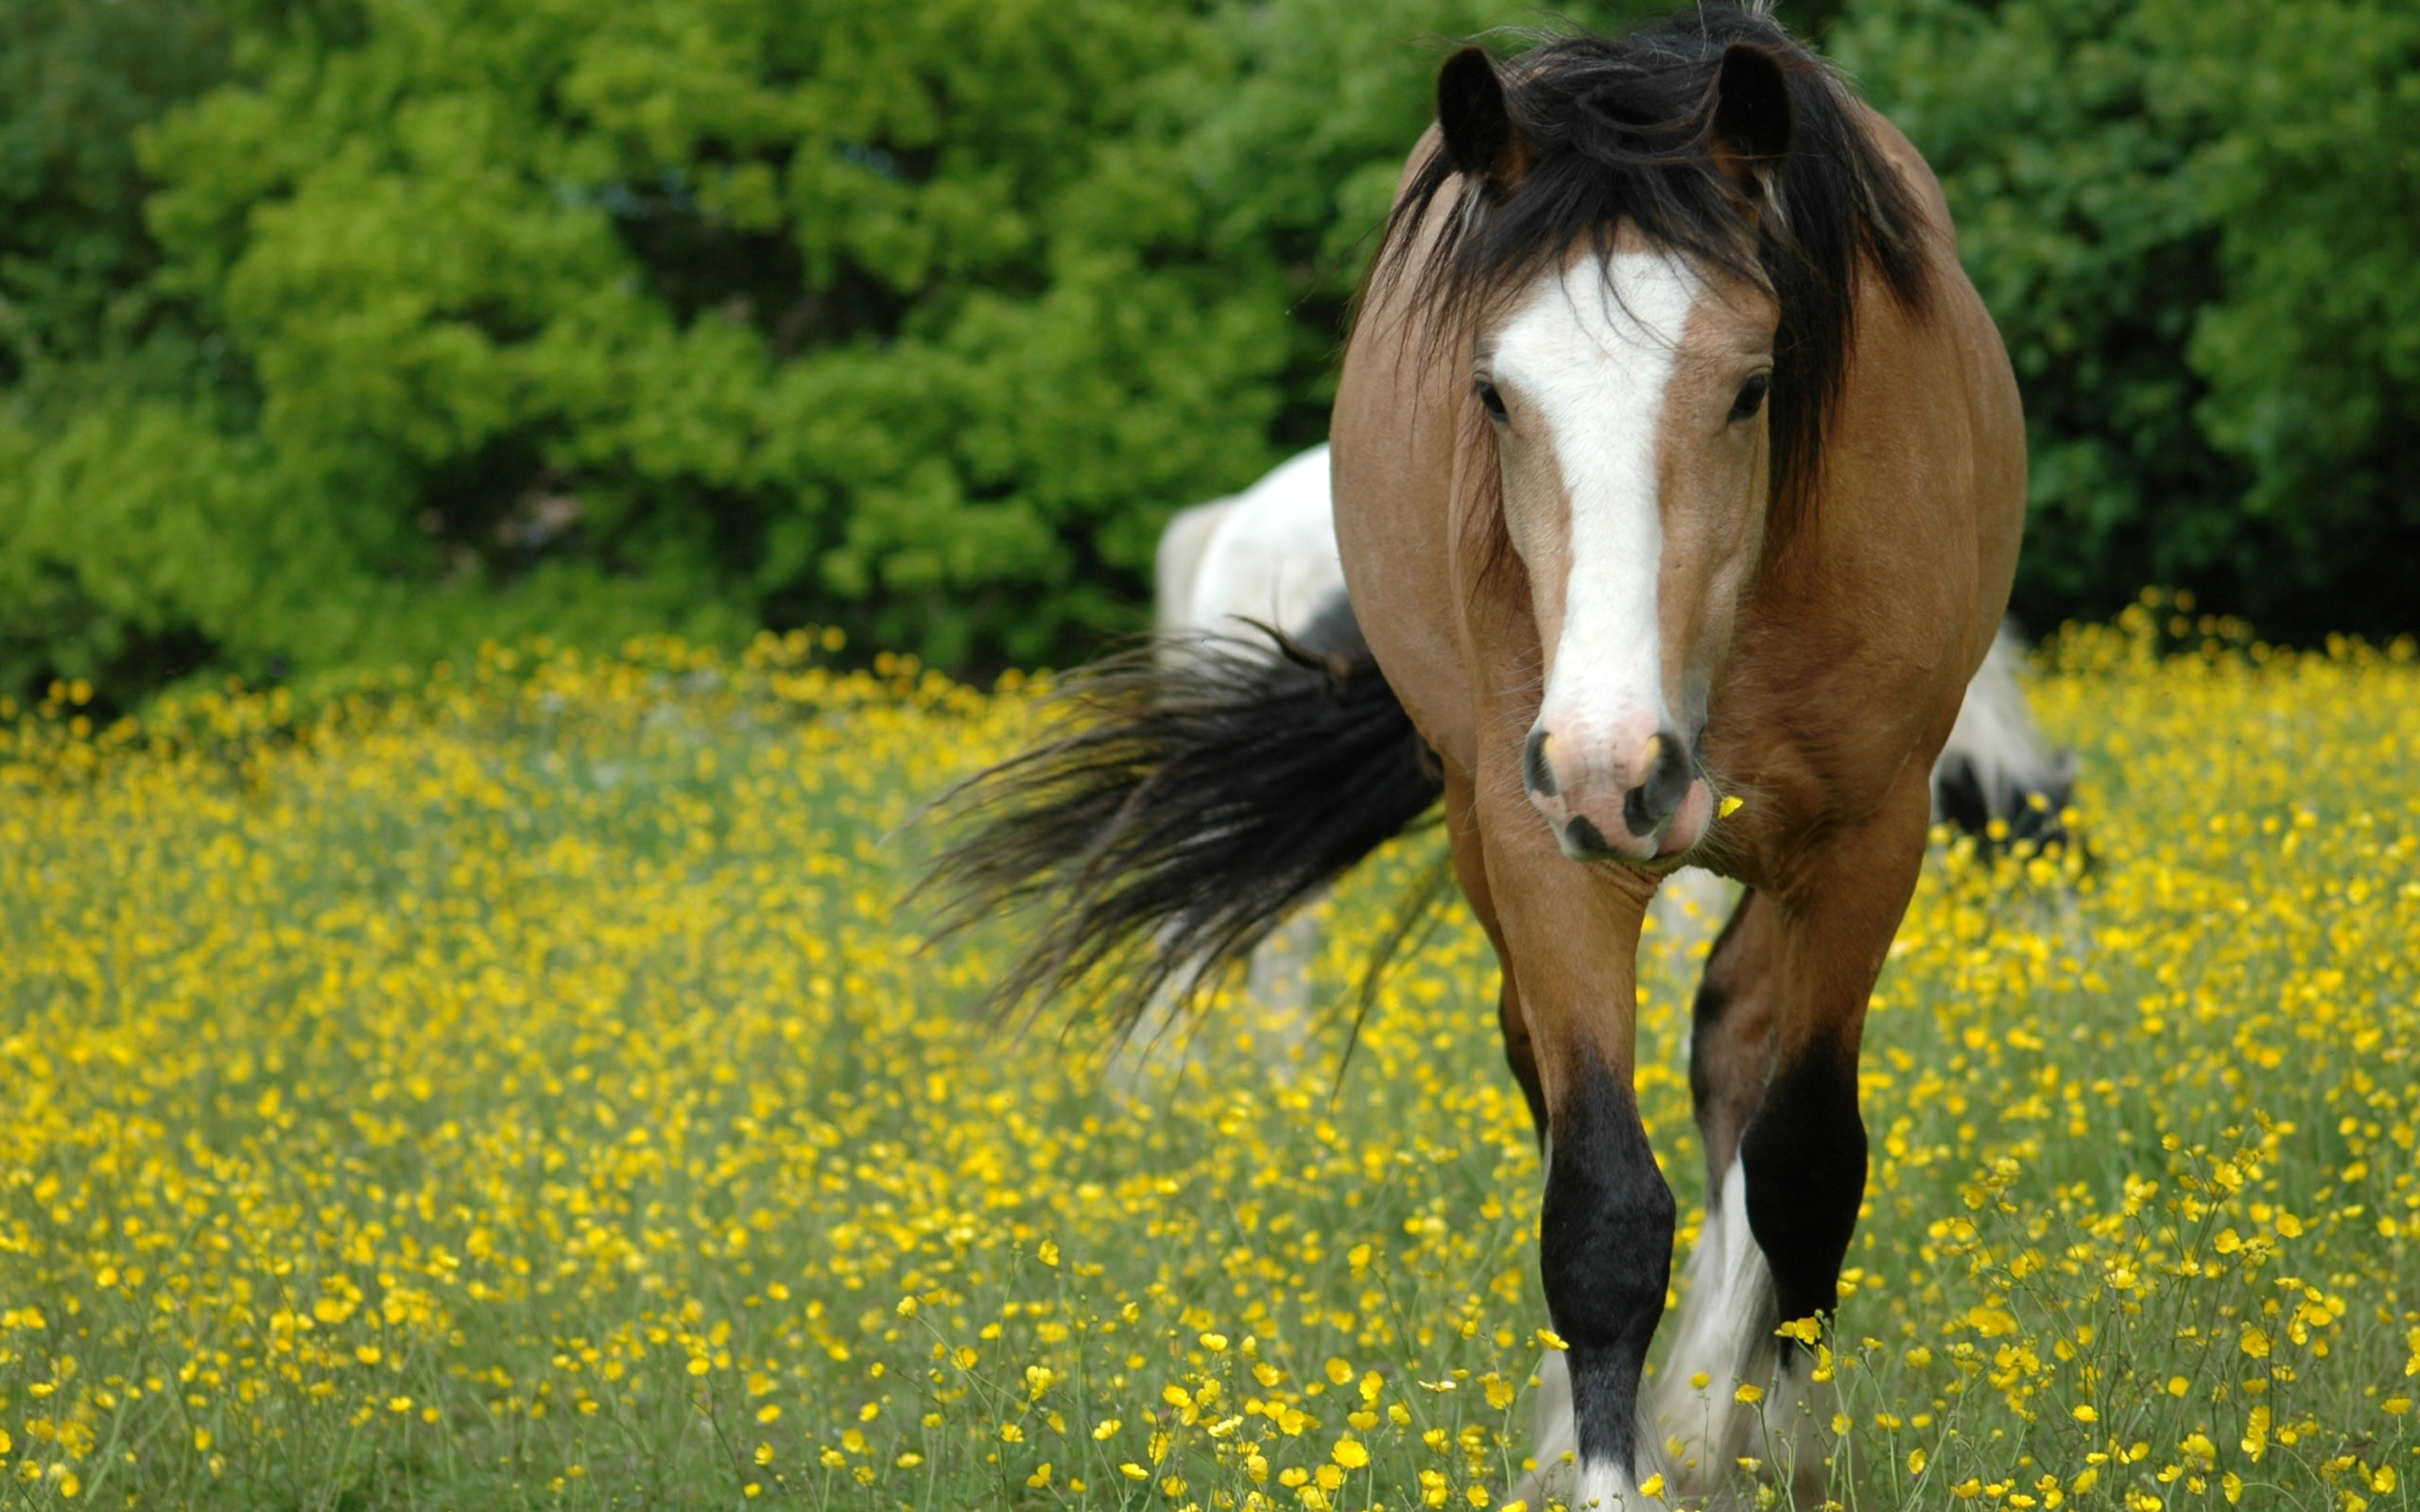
1725,1332
1731,1035
1568,936
1774,1067
1470,869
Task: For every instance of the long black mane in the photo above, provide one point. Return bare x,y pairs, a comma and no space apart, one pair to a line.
1621,130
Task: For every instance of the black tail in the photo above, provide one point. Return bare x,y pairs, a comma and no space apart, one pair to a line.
1191,803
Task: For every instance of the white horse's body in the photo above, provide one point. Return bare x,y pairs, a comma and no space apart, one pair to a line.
1267,555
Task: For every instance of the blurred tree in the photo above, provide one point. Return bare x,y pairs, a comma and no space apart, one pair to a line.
697,313
83,329
2196,221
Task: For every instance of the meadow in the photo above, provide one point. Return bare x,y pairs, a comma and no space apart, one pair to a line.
523,1085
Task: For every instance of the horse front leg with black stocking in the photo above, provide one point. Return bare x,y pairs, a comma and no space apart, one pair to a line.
1568,937
1773,1068
1605,1254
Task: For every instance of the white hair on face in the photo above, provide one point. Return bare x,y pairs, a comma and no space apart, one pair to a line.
1591,350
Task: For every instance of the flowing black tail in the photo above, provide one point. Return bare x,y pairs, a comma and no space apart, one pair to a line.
1193,801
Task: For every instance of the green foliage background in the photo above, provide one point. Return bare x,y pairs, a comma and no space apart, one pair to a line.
345,330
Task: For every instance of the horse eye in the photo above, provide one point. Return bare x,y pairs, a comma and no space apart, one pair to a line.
1751,398
1491,400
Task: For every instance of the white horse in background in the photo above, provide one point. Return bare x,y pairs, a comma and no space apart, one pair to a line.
1267,557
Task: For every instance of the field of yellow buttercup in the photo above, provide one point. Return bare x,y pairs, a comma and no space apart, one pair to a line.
526,1085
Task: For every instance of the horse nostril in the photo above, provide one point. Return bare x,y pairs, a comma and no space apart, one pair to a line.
1585,837
1535,769
1666,783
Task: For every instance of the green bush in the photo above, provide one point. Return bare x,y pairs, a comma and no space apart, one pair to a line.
344,330
2197,222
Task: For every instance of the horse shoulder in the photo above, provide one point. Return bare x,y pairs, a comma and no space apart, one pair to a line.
1985,379
1393,473
1889,602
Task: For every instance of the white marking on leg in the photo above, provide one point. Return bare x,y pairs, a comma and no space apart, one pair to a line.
1605,1486
1558,1433
1726,1337
1729,1304
1561,1475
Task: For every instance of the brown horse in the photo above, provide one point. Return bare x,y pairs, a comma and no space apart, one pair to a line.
1678,475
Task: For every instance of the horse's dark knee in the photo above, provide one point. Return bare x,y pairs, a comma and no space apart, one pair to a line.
1804,1156
1605,1249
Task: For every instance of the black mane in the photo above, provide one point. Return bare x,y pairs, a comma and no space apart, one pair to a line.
1620,129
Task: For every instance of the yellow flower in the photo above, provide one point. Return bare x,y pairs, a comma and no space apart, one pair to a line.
1349,1453
1749,1393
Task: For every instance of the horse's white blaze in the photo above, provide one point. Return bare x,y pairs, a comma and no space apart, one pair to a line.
1726,1336
1592,351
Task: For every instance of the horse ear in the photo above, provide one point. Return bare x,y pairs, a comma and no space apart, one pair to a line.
1481,142
1752,112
